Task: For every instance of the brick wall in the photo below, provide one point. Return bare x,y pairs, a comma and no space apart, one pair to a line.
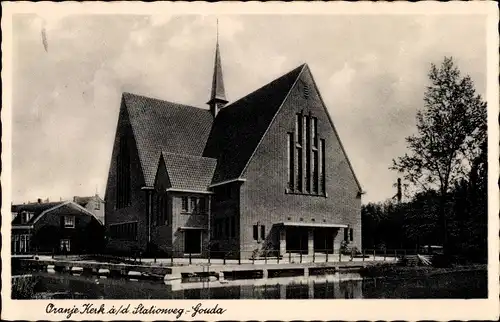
137,209
222,209
182,219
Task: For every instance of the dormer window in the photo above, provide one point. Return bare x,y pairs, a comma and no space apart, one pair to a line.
26,216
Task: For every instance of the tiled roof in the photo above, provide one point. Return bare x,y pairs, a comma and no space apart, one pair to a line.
164,126
240,126
35,208
188,172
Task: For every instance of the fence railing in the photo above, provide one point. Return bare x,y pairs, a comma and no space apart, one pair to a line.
243,257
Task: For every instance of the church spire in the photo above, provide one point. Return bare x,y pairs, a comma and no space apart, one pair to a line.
218,95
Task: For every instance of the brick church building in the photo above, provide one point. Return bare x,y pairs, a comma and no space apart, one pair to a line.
267,172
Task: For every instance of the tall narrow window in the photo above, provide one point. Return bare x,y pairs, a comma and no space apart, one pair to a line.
157,210
299,130
307,130
185,204
263,232
299,168
315,178
322,166
314,122
255,232
123,175
202,205
291,164
194,204
164,217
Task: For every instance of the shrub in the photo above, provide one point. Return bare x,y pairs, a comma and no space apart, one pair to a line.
23,288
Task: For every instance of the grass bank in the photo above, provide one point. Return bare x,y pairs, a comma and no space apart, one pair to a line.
394,271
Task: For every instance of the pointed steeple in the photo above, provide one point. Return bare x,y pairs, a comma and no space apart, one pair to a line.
218,95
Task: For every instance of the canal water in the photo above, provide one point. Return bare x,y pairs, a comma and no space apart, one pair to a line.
472,284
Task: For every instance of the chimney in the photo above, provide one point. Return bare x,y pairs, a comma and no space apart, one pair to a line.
39,200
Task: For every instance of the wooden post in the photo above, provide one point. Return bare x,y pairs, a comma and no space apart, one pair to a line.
340,255
327,255
239,257
289,257
301,255
385,253
265,257
363,255
189,258
172,258
278,258
374,254
314,256
224,262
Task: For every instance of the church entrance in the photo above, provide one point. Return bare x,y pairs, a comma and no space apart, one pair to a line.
323,239
192,241
296,240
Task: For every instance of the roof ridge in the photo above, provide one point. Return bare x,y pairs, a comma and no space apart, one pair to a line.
162,100
38,203
267,84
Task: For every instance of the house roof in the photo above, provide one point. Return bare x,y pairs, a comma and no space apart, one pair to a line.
240,126
35,208
164,126
188,172
40,209
83,201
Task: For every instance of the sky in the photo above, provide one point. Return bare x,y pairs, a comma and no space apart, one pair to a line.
370,69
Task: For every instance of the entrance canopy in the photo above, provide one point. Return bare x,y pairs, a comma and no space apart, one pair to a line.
303,224
192,228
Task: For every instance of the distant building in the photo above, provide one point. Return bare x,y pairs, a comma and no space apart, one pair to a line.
94,204
267,172
62,227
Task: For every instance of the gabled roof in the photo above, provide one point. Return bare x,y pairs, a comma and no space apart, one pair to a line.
188,172
164,126
40,209
240,126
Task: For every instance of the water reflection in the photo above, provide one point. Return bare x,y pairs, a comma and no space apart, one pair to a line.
463,285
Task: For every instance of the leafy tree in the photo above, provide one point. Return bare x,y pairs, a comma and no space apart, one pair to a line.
450,131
